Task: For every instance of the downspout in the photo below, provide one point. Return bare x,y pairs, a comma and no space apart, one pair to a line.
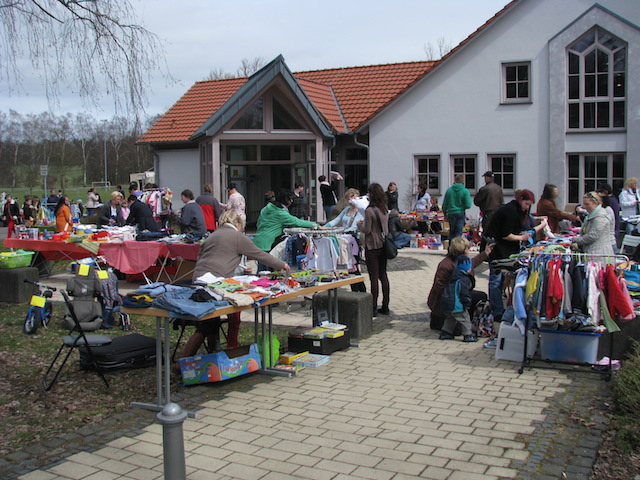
355,140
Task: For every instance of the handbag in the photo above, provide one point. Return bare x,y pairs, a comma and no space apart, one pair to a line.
388,245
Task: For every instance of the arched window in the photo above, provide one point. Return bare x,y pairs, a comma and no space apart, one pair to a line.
596,81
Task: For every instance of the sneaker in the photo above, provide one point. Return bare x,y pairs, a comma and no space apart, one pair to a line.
375,312
469,339
445,335
384,311
491,344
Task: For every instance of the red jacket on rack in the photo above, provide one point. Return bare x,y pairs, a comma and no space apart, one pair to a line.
616,301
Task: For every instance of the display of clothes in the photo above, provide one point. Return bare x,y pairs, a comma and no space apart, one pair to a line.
316,251
158,199
571,292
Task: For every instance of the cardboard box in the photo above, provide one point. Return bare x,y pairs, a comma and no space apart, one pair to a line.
572,347
311,360
287,358
220,366
323,346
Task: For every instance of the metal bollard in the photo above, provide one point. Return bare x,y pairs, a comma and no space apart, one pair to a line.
171,418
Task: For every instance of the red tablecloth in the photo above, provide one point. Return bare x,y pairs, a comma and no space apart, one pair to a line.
132,256
50,249
184,250
128,257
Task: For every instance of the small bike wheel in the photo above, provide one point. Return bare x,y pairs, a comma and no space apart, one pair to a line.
31,321
45,316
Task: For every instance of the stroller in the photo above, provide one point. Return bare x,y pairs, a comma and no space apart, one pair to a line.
95,300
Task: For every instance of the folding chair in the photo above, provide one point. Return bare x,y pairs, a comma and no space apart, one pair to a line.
71,342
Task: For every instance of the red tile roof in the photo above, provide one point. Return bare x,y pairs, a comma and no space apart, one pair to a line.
360,93
192,110
364,91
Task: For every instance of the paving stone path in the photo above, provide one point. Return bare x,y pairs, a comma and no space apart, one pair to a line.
402,405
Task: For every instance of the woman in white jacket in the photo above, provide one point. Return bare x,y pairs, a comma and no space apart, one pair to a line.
423,199
629,200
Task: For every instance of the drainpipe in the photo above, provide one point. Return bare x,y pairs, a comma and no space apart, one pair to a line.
355,140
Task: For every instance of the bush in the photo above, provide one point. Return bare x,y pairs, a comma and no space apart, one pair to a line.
626,393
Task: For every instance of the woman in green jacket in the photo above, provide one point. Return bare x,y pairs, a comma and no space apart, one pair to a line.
274,218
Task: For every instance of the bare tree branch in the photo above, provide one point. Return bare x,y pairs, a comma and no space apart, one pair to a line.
94,48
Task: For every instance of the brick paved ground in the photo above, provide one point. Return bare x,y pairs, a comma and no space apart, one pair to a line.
402,405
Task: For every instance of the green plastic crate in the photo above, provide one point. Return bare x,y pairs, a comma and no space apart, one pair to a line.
15,259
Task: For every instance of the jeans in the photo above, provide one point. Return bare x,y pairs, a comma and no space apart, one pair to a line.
402,240
496,281
377,267
456,224
328,210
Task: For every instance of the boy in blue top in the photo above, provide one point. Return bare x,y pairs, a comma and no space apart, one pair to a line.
456,297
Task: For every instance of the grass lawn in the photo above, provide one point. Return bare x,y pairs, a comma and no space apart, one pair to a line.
29,415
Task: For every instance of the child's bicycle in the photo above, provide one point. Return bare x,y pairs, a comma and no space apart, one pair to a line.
40,308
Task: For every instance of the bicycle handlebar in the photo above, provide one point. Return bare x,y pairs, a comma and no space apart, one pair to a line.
46,287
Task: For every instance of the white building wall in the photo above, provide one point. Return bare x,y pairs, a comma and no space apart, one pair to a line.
457,108
179,170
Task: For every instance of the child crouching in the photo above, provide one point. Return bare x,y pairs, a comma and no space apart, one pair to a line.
456,297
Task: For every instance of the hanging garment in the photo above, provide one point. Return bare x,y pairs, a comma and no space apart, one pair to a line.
579,297
568,290
616,299
553,297
519,295
593,292
628,300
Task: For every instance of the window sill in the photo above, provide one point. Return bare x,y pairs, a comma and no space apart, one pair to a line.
597,130
517,102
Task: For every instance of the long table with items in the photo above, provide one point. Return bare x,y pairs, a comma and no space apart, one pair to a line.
128,257
262,320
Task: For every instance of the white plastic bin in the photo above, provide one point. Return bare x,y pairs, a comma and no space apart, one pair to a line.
511,343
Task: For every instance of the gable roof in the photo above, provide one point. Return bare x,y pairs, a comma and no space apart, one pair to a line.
344,97
252,88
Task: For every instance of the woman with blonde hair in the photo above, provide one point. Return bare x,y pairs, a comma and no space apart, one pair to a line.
595,236
221,254
349,217
111,212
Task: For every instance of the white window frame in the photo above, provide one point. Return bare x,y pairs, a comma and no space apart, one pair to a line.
505,82
422,177
597,101
468,173
616,181
499,172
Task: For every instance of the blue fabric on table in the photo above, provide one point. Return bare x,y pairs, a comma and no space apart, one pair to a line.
155,289
179,304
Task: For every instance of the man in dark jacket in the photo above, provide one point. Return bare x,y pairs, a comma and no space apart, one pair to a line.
489,198
191,218
140,215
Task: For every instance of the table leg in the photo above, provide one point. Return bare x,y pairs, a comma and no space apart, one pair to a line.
163,356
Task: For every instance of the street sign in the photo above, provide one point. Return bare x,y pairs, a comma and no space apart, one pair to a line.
44,170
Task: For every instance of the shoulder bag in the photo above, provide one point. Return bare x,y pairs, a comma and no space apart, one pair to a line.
388,245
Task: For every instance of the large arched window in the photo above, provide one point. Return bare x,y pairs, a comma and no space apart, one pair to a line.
596,83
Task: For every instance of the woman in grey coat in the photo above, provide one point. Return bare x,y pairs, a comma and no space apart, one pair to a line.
595,236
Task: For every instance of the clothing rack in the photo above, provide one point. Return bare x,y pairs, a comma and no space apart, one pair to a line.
314,231
615,259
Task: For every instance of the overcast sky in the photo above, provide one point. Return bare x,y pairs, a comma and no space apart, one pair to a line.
203,35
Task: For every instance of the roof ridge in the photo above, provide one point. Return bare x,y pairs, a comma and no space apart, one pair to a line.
415,62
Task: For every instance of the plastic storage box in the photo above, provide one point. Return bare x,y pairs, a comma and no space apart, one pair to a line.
572,347
15,259
511,343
